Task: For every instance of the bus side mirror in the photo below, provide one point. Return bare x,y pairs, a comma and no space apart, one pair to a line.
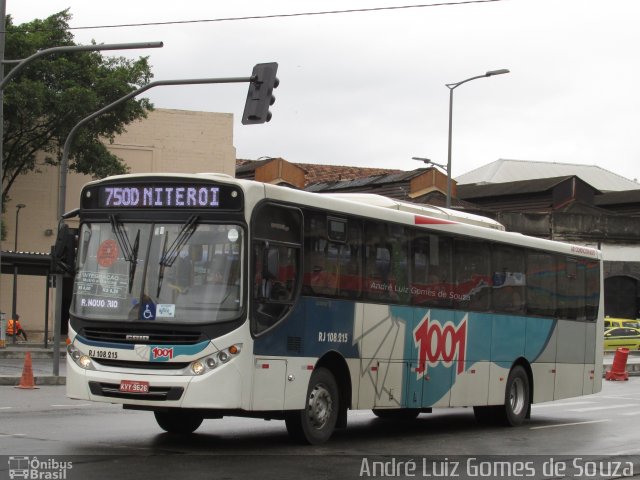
64,251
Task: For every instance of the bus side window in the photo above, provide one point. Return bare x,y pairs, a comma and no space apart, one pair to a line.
377,263
541,284
430,276
332,264
592,289
472,278
571,289
276,263
509,279
350,273
315,277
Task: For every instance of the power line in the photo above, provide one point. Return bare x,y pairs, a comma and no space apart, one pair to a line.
279,15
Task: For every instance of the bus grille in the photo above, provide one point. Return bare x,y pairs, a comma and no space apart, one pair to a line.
141,365
142,337
112,390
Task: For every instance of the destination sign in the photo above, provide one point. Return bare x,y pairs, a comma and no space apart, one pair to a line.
163,196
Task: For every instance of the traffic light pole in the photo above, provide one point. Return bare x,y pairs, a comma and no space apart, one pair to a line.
64,167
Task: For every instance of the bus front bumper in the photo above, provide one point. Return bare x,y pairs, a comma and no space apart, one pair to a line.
217,389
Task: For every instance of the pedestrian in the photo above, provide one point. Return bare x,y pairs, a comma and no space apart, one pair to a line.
14,326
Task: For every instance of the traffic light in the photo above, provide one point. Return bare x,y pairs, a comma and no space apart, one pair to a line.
260,96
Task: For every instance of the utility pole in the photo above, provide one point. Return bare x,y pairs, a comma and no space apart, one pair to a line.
3,28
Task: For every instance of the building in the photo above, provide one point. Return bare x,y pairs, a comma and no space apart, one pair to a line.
425,185
507,170
167,141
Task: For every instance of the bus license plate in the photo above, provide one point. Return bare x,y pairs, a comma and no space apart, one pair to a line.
133,386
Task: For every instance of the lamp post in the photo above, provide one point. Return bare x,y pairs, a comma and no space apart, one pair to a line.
15,272
451,87
428,161
18,207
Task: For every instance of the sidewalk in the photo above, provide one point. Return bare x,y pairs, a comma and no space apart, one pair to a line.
12,363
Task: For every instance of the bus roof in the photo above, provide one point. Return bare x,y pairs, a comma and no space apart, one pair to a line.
429,210
363,204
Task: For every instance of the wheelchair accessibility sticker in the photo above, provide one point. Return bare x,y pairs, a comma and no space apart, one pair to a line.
148,311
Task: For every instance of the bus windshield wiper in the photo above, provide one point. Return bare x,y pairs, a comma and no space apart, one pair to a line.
130,252
134,260
170,255
161,271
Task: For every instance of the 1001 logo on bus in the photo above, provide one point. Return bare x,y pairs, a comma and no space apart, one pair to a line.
440,344
162,353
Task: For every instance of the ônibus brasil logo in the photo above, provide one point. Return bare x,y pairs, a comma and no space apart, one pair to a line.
440,344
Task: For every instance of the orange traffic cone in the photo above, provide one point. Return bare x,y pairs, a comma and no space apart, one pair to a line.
619,368
27,381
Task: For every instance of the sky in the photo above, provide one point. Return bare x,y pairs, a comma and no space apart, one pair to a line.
368,89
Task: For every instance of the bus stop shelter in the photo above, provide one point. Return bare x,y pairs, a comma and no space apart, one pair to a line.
29,263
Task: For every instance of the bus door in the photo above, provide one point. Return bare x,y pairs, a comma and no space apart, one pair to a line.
276,273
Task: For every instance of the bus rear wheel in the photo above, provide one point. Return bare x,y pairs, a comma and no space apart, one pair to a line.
178,422
316,423
516,402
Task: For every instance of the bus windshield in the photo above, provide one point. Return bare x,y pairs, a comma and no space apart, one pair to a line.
159,272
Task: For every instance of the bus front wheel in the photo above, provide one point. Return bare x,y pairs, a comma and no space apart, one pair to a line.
316,423
178,422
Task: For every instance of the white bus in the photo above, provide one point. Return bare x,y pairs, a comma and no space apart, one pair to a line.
202,296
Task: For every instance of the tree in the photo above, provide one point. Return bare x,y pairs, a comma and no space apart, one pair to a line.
50,95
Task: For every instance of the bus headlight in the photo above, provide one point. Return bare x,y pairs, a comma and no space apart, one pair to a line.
198,368
80,359
85,362
207,364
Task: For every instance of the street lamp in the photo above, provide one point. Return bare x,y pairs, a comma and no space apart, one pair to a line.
18,207
15,272
428,161
451,87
